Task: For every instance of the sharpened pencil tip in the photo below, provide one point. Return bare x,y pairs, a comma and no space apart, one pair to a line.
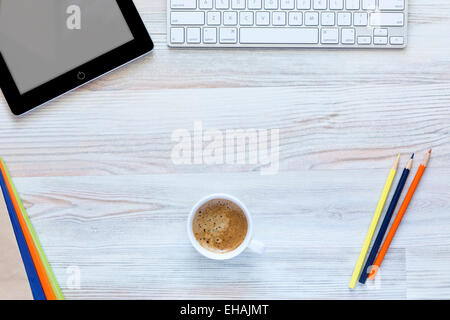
412,156
396,163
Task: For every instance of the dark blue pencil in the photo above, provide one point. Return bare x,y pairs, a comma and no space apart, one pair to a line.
387,219
33,278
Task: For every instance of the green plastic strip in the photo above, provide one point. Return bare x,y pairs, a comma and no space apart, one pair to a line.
48,269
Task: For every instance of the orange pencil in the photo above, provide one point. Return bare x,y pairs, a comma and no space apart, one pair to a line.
46,286
399,217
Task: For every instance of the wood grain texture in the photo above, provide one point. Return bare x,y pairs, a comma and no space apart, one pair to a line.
128,235
94,167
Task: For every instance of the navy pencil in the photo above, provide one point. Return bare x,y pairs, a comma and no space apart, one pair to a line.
33,278
387,219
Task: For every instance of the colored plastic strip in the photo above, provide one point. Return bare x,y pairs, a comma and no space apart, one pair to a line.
45,283
33,278
48,269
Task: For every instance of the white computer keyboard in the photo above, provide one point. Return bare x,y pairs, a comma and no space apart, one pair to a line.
288,23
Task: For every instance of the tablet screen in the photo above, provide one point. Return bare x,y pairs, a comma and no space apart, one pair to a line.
43,39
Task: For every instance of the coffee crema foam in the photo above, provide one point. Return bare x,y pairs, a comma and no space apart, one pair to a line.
220,226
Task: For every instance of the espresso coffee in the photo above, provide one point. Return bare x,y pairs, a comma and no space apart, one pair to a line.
220,226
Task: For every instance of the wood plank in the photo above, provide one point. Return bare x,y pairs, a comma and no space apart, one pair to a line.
137,230
425,265
85,133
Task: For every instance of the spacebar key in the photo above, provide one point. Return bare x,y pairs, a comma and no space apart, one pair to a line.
279,35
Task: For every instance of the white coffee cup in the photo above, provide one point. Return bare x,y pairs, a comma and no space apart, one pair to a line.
253,245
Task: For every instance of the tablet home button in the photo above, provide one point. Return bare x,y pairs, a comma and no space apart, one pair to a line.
81,75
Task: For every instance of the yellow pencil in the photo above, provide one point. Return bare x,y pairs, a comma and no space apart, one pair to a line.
373,224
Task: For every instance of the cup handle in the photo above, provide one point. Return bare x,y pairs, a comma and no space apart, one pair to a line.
257,247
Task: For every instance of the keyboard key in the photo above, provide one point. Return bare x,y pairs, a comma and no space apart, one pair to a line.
295,18
397,40
344,18
380,40
230,18
352,4
320,4
348,36
246,18
327,19
311,18
364,40
214,18
369,4
187,18
336,4
329,36
271,4
279,18
228,35
205,4
238,4
222,4
177,35
255,4
287,4
183,4
262,18
386,19
279,35
303,4
391,4
210,35
380,32
193,35
360,19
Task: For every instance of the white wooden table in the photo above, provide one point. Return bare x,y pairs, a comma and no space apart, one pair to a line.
94,168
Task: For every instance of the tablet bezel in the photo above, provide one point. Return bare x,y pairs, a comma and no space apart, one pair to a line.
139,46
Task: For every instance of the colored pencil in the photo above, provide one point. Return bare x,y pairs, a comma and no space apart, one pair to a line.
373,224
33,278
45,283
399,217
387,219
53,282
